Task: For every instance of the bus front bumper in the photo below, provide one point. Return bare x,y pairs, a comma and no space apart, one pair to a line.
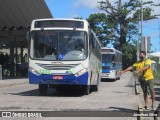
58,79
108,75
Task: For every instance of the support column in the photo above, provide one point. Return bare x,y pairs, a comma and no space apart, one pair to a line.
11,58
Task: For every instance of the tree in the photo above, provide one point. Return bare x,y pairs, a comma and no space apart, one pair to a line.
119,23
100,26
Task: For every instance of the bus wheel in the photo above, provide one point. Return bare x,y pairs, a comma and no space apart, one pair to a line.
43,89
86,89
95,88
118,78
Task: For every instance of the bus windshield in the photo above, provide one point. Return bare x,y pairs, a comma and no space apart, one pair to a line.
107,60
58,45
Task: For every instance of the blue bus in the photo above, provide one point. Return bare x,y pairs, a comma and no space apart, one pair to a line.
111,63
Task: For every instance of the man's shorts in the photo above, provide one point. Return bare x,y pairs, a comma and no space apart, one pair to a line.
149,84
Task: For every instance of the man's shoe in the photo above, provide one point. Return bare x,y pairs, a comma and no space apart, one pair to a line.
153,108
146,108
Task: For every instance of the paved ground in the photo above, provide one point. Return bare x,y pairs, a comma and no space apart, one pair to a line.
115,98
13,82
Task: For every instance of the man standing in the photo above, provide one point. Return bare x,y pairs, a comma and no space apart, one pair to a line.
144,68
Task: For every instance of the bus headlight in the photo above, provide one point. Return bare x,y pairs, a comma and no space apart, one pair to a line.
80,72
34,71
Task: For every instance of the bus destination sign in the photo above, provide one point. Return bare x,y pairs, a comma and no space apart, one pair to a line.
59,23
106,50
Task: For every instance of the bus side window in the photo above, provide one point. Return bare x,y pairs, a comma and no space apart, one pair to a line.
94,43
92,40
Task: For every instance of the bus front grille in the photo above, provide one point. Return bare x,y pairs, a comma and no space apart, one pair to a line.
57,66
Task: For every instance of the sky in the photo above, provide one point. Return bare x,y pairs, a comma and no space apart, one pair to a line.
84,8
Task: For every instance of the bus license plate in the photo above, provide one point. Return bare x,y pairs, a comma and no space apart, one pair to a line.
57,77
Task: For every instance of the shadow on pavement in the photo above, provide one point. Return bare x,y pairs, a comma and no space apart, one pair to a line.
51,93
123,109
130,86
107,80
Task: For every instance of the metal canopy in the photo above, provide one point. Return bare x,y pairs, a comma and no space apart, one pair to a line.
20,13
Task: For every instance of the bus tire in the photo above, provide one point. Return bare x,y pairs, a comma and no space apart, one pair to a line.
95,88
87,89
43,89
118,78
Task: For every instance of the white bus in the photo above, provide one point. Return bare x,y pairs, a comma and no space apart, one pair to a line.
111,63
64,53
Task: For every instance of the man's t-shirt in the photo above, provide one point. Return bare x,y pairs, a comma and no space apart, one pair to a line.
148,74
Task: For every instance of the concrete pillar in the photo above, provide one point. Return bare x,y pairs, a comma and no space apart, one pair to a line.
11,58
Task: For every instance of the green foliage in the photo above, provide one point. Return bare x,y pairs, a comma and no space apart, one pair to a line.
119,25
100,24
129,55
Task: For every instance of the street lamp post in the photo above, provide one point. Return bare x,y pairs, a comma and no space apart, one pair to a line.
141,19
141,34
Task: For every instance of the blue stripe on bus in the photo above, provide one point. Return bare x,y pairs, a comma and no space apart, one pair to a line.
67,79
105,71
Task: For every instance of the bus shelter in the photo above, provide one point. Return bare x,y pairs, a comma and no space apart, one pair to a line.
15,20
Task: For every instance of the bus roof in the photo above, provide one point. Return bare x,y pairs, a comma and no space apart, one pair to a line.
59,19
65,23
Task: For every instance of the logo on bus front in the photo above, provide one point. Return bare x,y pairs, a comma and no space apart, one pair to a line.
57,62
